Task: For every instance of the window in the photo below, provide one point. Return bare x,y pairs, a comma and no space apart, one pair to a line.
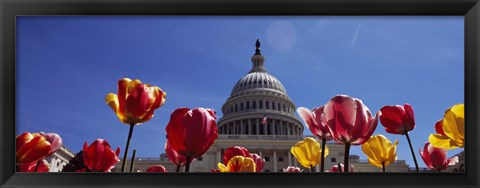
280,159
248,105
241,106
200,159
284,108
261,104
273,105
266,105
236,107
279,109
333,160
254,104
267,158
231,109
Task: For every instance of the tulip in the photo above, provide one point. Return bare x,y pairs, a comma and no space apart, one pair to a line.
157,168
259,162
238,164
292,169
176,158
349,122
399,120
317,124
54,139
450,133
436,158
380,151
134,104
308,152
99,157
31,148
214,170
40,166
234,151
192,132
342,168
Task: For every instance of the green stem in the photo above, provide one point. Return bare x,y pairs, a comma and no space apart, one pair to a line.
187,166
133,160
411,149
38,163
383,167
126,147
339,168
178,168
346,159
312,169
322,163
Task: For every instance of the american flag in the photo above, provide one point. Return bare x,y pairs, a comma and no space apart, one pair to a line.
264,120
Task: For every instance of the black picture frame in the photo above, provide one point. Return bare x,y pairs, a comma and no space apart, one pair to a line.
9,9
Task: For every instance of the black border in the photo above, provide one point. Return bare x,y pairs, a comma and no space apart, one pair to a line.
11,8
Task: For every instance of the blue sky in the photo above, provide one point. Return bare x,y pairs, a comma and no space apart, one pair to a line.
66,66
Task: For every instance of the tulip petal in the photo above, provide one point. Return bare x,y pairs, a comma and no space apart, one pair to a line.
409,118
442,141
122,95
176,130
439,127
34,150
159,101
309,119
113,101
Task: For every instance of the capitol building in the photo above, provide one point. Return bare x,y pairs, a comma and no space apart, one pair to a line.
257,95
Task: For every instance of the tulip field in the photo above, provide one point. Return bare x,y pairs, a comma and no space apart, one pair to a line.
191,132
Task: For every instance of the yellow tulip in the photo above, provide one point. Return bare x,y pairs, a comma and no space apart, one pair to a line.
238,164
380,151
308,152
453,129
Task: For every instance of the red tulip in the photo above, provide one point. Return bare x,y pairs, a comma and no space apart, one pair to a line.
157,168
342,167
192,132
99,157
215,170
234,151
315,121
436,158
259,162
54,139
175,157
397,119
292,169
42,167
349,120
31,147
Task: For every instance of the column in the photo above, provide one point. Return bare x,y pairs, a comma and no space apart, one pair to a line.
228,128
289,158
317,168
249,127
257,126
273,128
274,160
281,127
265,128
260,153
241,127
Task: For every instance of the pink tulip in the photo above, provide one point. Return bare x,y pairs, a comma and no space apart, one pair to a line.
397,119
54,139
157,168
99,157
315,121
342,167
436,158
259,162
292,169
349,120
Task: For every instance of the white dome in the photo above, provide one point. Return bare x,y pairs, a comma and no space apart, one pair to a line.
256,81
